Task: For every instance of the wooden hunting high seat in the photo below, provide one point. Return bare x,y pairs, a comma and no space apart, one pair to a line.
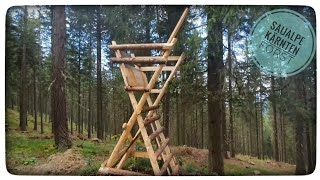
133,70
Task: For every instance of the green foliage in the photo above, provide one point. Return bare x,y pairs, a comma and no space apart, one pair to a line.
139,164
30,161
91,169
236,170
115,137
22,149
194,170
13,121
91,149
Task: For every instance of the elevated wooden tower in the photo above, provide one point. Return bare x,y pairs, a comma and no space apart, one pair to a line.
133,69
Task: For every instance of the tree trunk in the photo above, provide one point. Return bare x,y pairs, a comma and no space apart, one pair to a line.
309,151
261,120
215,88
183,125
114,112
178,119
82,114
284,141
202,129
299,127
257,129
61,134
195,137
46,107
35,127
275,123
225,134
23,76
79,86
230,97
89,98
51,95
173,17
41,111
99,79
71,113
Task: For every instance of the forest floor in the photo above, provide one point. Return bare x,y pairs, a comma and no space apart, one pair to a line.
32,153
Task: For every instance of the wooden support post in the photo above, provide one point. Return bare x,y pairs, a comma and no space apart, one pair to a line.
125,158
119,172
128,150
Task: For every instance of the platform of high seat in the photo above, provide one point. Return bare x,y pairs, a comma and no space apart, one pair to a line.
143,81
160,46
144,59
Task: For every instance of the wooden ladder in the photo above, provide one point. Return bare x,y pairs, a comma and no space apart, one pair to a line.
133,70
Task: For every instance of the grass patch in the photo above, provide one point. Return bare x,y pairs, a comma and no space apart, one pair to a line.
31,149
91,149
94,154
237,170
21,149
191,169
139,165
91,169
13,122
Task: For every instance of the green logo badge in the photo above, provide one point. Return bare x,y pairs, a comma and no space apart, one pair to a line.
282,42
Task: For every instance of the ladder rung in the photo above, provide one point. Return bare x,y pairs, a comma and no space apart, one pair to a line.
156,133
155,91
138,60
173,58
140,46
166,164
154,68
136,88
175,170
152,119
161,148
150,108
119,172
